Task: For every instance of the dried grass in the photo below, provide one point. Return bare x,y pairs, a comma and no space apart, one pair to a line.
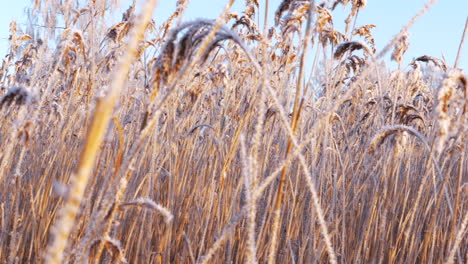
239,156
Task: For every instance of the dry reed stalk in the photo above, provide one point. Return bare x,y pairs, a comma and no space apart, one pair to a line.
457,195
265,18
104,109
233,223
292,140
23,117
406,231
222,237
249,186
458,240
345,97
259,127
430,236
295,119
405,28
259,191
120,152
258,135
387,131
390,130
187,240
255,169
310,184
114,197
228,229
460,47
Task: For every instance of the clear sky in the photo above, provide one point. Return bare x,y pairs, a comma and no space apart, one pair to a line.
436,33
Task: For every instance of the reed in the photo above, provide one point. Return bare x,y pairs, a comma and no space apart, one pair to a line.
215,141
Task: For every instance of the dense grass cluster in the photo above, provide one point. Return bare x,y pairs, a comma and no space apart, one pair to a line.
227,140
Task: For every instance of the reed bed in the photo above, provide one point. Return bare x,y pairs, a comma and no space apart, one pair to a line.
227,140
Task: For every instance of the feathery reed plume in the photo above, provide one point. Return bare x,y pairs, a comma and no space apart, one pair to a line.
181,6
360,3
324,19
356,5
253,30
129,14
401,46
415,81
250,8
324,27
365,31
175,55
282,8
437,62
352,63
16,94
293,20
337,2
355,63
150,204
252,2
71,46
13,39
118,31
351,46
446,96
331,36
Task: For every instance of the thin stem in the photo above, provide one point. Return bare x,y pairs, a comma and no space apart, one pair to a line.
295,119
101,119
460,47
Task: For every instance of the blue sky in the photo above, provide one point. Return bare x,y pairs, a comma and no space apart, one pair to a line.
436,33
